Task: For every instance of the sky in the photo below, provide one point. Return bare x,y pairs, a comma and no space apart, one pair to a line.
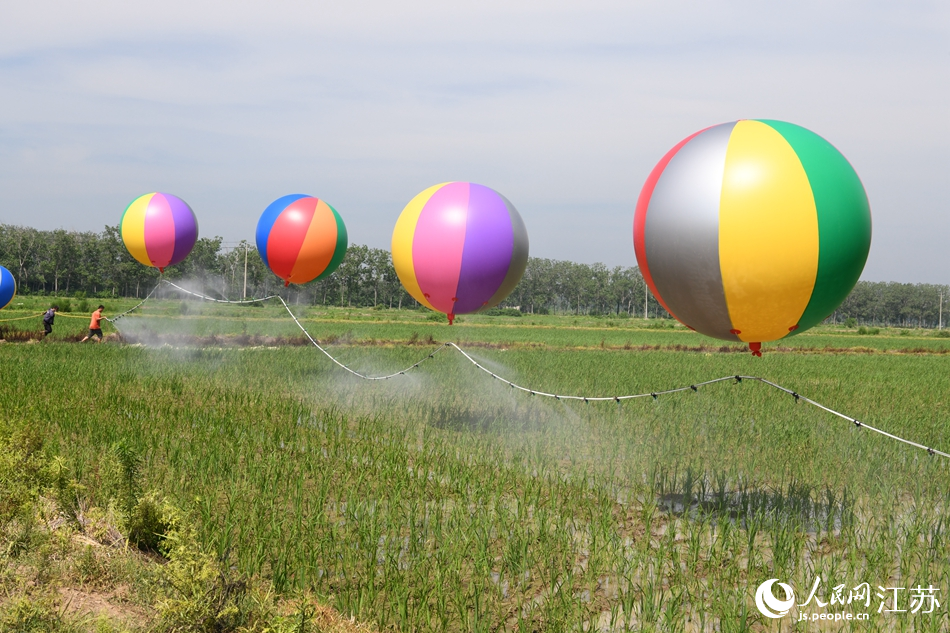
563,107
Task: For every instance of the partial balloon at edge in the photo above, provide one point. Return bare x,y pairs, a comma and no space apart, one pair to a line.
7,287
459,248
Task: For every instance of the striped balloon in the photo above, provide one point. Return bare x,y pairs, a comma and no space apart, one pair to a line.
301,238
752,231
159,229
7,287
459,248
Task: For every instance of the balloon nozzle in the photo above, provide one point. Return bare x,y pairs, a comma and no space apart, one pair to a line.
451,317
756,349
161,269
286,283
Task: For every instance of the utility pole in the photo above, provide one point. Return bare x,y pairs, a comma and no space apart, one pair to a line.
646,300
940,318
244,294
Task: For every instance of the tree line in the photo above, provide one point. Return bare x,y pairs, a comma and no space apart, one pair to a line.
71,263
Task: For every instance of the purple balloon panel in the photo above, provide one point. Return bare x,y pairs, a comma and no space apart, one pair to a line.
438,242
486,255
519,255
186,228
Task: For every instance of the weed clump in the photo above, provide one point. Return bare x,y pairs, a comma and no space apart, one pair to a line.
27,471
47,559
508,312
26,614
146,518
661,324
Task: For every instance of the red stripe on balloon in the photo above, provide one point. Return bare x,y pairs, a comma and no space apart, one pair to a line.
640,217
287,236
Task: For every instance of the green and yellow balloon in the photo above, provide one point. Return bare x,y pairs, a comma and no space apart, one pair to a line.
752,231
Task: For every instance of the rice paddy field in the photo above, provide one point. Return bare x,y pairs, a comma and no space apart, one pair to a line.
443,500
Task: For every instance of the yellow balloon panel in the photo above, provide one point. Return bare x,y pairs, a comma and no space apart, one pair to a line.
402,244
768,233
133,228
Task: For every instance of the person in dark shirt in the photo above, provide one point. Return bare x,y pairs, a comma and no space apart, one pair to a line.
48,320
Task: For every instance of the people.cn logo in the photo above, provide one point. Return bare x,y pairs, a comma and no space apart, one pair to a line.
768,604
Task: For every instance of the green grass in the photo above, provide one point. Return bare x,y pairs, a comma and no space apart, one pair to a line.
444,500
176,318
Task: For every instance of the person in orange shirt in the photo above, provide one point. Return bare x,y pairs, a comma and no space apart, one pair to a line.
95,326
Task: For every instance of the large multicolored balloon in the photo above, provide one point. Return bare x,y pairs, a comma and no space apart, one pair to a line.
752,231
459,248
301,238
159,229
7,287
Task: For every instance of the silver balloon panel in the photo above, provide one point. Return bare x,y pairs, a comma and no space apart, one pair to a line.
682,234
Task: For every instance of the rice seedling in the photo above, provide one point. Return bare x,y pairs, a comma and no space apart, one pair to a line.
445,501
